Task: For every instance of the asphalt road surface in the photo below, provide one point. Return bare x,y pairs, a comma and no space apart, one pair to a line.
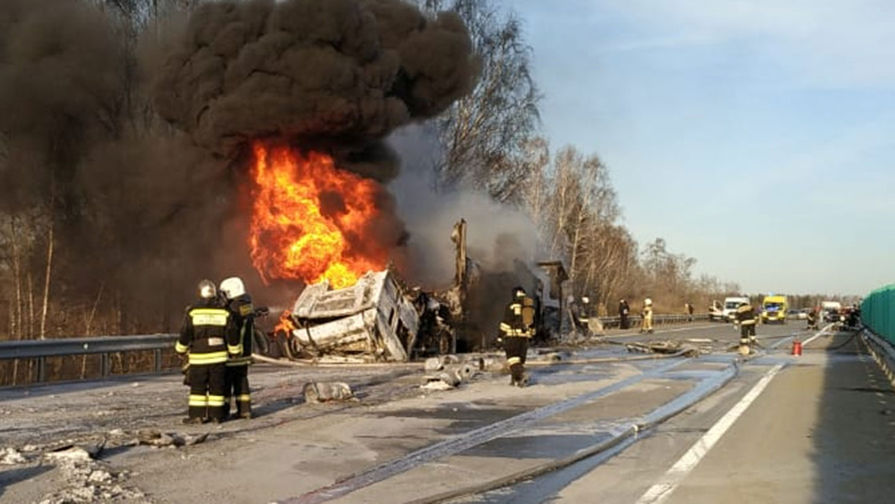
602,425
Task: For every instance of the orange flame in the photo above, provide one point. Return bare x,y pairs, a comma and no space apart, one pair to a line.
306,215
285,324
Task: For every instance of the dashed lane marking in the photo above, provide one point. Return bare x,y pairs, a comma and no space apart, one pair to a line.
663,489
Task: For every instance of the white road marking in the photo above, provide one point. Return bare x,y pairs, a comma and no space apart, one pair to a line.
663,489
809,340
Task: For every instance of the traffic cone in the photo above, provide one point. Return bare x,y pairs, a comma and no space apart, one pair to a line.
796,347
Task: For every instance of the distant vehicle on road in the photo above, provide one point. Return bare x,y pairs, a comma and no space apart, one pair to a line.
730,306
803,313
773,309
716,312
832,311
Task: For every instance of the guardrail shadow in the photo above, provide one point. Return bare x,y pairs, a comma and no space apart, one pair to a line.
10,477
854,434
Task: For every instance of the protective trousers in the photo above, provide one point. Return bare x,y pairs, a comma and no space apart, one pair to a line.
516,348
207,391
237,387
647,322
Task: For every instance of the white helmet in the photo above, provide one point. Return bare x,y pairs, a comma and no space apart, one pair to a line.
585,299
648,302
206,289
232,287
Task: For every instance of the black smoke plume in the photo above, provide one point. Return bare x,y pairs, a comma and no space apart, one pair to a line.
332,74
141,211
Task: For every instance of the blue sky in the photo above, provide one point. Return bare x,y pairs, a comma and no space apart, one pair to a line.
756,136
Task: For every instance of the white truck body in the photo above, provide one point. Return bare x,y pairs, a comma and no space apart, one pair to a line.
370,318
731,304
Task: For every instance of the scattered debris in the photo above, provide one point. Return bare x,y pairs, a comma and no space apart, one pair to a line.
662,347
451,376
327,391
11,456
71,455
439,363
89,480
150,437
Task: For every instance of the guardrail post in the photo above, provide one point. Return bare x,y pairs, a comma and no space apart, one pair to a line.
157,357
104,364
41,369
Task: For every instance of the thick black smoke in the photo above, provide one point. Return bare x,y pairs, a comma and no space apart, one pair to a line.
332,74
59,90
140,211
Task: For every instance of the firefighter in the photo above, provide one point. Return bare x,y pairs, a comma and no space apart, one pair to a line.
746,317
209,335
517,329
584,315
623,311
646,324
812,318
239,303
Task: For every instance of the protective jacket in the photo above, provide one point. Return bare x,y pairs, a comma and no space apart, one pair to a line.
208,333
518,319
243,313
745,315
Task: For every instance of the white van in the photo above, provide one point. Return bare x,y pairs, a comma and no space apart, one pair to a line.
730,306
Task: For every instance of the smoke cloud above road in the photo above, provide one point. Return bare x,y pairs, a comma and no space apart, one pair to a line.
336,75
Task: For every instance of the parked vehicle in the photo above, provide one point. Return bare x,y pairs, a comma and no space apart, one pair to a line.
773,309
832,311
730,306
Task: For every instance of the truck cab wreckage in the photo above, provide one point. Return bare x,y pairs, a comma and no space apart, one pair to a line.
372,320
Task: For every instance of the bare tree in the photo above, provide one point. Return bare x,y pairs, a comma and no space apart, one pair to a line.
485,133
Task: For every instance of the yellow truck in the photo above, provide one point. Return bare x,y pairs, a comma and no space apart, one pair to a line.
773,309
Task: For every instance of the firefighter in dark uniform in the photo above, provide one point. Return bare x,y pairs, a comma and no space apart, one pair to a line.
237,373
209,335
746,317
516,329
623,311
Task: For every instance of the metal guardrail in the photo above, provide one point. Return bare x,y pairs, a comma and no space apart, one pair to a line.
103,345
634,320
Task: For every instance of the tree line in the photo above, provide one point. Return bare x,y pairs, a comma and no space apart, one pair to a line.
491,140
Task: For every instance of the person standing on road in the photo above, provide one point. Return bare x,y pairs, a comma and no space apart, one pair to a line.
812,318
239,303
646,324
584,316
516,330
689,312
623,311
747,319
209,335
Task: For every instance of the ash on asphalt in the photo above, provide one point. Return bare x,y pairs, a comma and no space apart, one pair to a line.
547,446
542,488
464,416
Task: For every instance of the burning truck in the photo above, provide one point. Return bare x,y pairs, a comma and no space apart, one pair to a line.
372,319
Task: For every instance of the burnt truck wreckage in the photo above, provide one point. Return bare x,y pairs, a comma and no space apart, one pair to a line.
380,319
375,319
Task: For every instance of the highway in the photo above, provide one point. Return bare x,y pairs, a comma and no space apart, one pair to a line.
601,425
